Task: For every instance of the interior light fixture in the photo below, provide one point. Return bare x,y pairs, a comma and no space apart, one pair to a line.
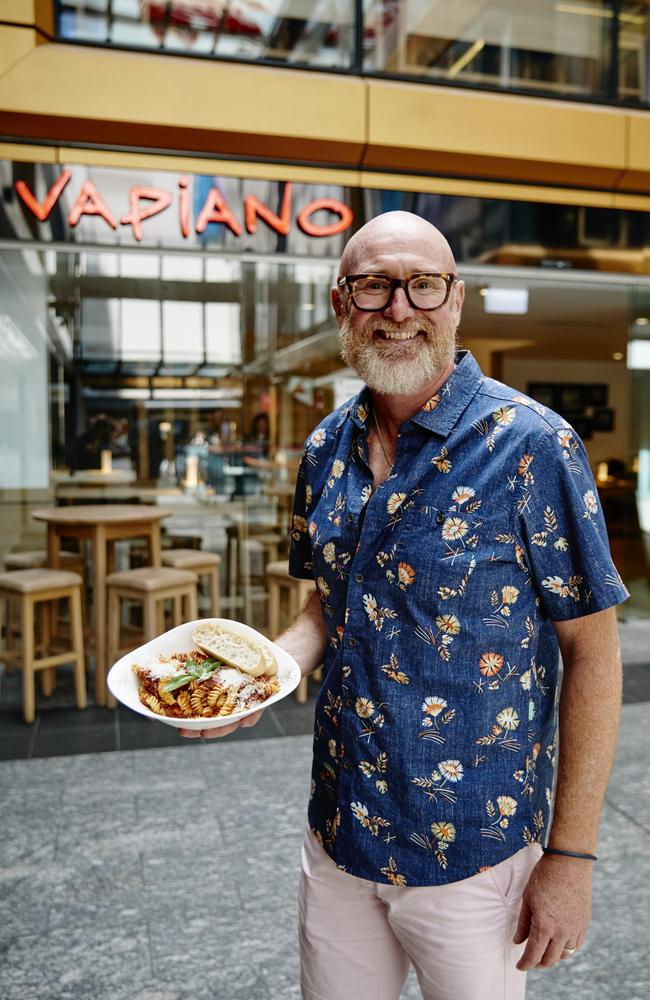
638,355
482,291
513,301
641,321
466,58
617,356
308,305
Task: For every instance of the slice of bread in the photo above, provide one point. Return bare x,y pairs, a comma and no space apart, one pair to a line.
235,650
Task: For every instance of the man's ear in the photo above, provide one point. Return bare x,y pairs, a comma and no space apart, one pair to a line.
338,305
458,297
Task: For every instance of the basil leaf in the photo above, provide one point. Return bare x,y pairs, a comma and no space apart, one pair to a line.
177,682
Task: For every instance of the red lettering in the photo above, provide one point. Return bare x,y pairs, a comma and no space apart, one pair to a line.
184,206
90,202
254,207
42,210
160,201
217,209
344,213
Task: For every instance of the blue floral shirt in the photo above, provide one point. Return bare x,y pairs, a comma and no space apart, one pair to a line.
435,734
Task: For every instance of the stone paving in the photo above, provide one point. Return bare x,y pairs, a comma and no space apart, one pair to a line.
171,874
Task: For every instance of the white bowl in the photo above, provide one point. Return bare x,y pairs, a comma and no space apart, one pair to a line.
123,683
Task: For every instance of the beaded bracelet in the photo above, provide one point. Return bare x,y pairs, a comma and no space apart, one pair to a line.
570,854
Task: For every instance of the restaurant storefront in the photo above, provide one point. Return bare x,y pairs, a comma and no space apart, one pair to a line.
167,337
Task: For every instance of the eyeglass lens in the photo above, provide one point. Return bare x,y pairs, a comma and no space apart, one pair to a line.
424,291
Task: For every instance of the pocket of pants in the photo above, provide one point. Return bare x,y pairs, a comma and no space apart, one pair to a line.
507,877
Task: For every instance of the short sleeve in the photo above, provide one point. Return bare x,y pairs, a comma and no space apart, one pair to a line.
300,557
562,530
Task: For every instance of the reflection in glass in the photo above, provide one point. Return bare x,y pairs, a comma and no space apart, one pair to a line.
560,48
300,32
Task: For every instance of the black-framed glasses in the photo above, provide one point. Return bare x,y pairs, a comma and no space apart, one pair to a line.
426,290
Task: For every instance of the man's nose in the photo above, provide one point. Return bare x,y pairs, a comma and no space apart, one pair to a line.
400,308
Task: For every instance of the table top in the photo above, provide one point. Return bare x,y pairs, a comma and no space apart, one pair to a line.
125,492
90,514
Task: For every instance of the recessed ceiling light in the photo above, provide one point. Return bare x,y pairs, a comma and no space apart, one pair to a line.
617,356
641,321
638,354
308,305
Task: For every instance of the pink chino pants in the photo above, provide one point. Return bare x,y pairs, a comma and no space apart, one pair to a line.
357,938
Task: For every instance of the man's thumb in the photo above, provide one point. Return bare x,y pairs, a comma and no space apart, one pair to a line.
523,925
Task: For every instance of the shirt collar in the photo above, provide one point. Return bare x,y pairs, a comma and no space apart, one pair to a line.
440,414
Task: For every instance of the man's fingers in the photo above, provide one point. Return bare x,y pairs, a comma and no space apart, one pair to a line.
523,926
208,734
553,953
538,942
214,734
251,720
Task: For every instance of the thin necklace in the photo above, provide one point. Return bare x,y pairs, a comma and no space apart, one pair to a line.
381,442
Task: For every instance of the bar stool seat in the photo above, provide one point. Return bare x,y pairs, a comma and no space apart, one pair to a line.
150,578
205,564
30,581
31,587
152,586
279,581
37,558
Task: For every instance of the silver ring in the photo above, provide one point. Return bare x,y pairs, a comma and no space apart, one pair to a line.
569,951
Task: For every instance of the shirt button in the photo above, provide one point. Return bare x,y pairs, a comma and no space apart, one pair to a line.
359,578
350,519
346,765
440,518
352,642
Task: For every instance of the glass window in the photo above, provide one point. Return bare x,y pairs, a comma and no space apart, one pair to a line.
300,32
182,331
634,52
562,48
140,329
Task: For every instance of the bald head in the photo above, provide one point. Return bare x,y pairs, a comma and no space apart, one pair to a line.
396,235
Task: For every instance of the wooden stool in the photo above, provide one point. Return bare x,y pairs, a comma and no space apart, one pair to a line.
37,559
269,543
277,575
201,563
40,586
152,586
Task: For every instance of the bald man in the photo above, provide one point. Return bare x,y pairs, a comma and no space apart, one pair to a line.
453,530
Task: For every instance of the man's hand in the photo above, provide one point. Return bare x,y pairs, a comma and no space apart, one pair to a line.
555,911
211,734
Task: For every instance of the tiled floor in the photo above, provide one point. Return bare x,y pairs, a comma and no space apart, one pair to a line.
60,729
171,874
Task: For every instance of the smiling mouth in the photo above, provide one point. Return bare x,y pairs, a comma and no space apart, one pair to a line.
399,335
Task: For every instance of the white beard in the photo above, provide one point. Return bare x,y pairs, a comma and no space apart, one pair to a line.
397,368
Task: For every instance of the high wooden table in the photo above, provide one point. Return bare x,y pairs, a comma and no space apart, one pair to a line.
101,525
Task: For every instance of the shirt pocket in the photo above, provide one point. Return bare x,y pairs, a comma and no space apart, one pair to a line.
444,548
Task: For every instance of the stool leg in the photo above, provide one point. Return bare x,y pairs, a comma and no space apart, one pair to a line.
301,691
150,615
10,627
192,603
114,615
77,633
274,608
27,626
177,612
213,590
48,676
